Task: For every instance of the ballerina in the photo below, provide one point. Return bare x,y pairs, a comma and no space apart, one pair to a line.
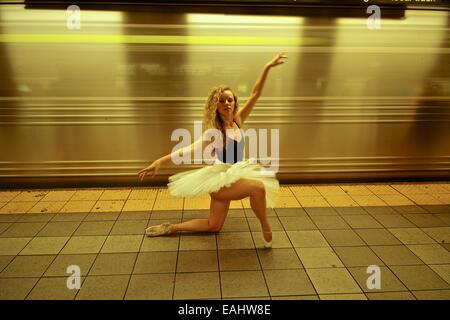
230,177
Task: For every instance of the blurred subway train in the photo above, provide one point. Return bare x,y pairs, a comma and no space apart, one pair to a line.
90,94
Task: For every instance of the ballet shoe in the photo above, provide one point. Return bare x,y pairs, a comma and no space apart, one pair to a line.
159,230
267,244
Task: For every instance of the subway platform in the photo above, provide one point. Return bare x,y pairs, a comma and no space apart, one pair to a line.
325,237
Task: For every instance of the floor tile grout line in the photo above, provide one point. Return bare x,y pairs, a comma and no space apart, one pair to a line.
10,226
433,241
390,269
95,259
49,191
199,272
92,265
218,266
7,265
329,245
389,292
379,258
178,254
53,260
352,228
93,262
176,262
405,195
354,279
346,267
400,280
298,257
87,274
140,246
256,250
20,215
8,201
132,270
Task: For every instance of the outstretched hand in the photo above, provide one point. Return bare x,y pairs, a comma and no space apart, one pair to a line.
277,60
154,167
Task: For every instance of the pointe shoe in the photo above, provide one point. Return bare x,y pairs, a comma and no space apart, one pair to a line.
159,230
267,244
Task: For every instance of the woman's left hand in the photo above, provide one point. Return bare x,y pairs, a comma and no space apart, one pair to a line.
277,60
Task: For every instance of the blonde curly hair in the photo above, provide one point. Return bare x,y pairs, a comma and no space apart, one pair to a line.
211,118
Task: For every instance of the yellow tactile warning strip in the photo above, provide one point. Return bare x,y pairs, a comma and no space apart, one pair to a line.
325,237
291,196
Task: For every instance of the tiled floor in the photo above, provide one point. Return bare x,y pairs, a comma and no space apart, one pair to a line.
325,237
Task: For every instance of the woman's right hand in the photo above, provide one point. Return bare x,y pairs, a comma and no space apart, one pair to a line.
154,167
277,60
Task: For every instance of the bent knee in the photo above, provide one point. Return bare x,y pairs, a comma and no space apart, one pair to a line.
214,227
218,195
215,195
259,190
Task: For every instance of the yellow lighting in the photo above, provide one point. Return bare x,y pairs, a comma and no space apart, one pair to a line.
19,14
242,19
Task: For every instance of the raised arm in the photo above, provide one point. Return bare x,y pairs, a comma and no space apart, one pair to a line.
244,112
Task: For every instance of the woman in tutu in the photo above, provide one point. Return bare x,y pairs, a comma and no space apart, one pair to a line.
230,177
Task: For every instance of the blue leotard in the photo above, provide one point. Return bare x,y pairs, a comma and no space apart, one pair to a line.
234,151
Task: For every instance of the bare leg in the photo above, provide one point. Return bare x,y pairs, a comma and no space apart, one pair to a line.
220,203
257,193
217,215
258,205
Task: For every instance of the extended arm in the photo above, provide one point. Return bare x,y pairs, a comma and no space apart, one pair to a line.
243,113
154,167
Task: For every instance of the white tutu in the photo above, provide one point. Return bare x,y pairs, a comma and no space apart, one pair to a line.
211,178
